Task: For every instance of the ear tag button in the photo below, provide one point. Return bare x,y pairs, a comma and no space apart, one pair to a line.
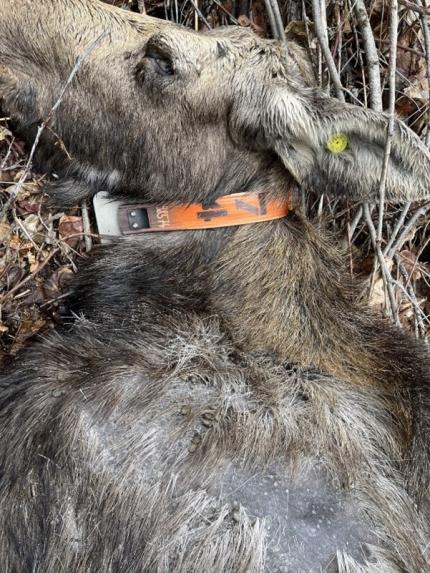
337,143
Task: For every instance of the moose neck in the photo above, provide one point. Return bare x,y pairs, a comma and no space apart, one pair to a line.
276,285
283,287
280,287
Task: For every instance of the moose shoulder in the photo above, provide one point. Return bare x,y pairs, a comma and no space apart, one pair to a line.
224,402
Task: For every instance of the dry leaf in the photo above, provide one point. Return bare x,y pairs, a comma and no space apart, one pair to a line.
5,232
70,226
57,282
30,205
15,242
28,328
419,90
377,297
245,22
4,133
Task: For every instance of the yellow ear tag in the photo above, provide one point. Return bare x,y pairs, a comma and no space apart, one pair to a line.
337,143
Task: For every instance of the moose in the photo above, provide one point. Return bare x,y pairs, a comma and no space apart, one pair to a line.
223,399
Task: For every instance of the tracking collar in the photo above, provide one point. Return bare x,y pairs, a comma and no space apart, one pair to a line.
225,211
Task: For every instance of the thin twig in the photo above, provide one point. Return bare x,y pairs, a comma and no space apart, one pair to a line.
402,48
24,230
202,18
6,157
375,96
271,16
226,12
393,25
278,19
30,276
87,226
353,225
397,245
412,296
414,7
375,93
320,206
275,19
426,33
321,34
397,227
385,272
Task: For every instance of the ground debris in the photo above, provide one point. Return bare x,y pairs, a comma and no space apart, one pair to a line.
39,247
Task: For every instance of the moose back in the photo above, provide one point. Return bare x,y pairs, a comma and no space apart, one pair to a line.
224,401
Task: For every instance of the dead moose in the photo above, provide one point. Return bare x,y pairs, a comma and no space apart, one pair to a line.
223,402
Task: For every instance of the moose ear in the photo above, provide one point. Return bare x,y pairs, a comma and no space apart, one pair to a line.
338,148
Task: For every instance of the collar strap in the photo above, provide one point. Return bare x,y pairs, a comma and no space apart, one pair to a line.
226,211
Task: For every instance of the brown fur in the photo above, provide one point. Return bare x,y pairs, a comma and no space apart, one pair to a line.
225,402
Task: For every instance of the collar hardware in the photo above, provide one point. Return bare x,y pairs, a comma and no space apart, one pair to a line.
226,211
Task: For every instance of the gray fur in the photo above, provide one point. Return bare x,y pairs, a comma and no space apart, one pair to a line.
224,401
242,107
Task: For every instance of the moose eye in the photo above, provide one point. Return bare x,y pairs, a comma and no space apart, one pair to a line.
162,64
164,67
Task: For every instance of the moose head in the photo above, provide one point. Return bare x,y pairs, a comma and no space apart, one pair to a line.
167,114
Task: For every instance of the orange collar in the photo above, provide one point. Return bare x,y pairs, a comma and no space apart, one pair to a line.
226,211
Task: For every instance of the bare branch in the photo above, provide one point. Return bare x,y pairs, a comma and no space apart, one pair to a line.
275,19
385,272
397,227
321,33
426,33
397,245
371,55
414,7
410,293
391,111
87,226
